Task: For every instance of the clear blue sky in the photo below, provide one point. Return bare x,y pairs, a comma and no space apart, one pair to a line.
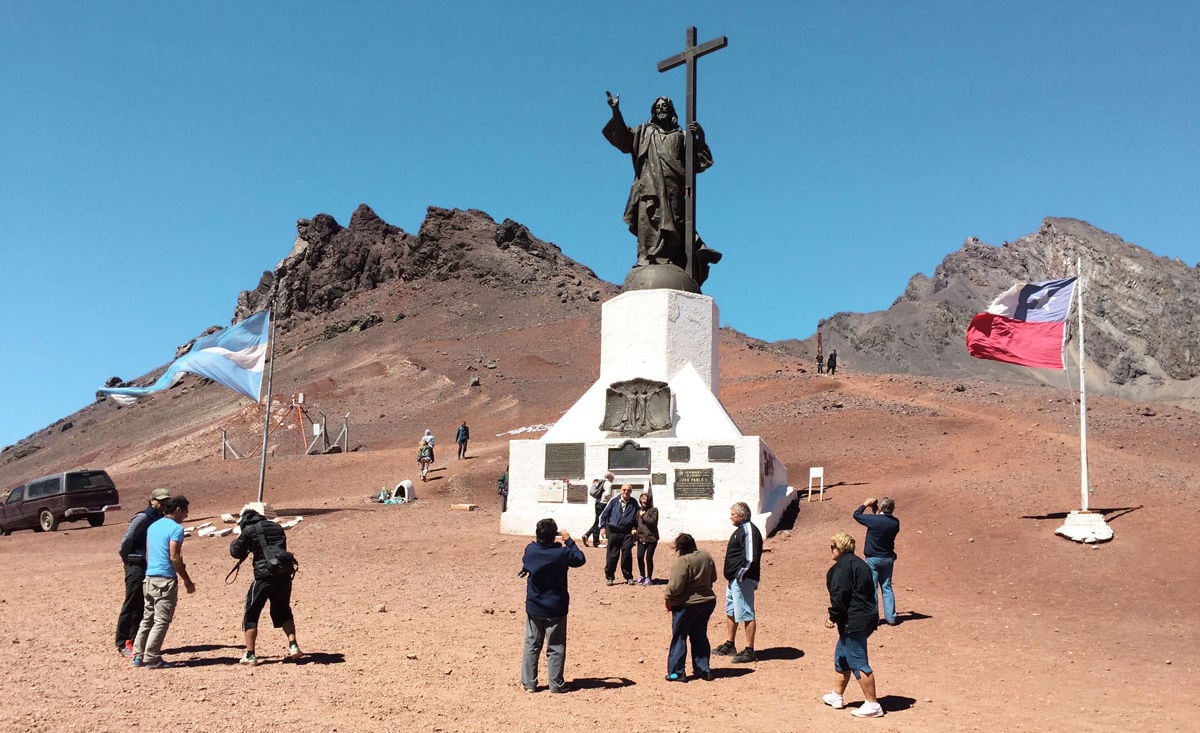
154,156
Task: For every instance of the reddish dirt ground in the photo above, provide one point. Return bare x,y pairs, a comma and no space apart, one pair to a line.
412,615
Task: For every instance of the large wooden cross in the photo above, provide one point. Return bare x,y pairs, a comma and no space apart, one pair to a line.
690,53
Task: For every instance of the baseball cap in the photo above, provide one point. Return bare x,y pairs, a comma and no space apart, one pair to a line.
160,494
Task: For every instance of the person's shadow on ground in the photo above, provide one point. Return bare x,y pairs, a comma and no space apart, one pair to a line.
787,653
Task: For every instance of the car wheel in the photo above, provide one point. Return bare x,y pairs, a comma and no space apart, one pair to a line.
95,519
46,521
5,531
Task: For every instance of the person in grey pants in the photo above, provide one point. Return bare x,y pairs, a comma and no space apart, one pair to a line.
547,601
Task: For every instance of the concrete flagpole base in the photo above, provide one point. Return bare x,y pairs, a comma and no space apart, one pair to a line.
1086,527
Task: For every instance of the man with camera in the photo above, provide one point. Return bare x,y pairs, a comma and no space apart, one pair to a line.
544,566
274,567
879,550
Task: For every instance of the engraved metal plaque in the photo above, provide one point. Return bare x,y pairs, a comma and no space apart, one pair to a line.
658,479
564,460
629,456
636,407
577,493
721,454
694,483
679,454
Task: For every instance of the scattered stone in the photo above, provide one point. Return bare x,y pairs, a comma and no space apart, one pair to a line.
381,608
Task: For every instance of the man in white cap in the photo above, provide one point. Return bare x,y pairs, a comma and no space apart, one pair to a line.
133,555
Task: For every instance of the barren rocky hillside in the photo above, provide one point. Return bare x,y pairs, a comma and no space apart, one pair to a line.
1142,315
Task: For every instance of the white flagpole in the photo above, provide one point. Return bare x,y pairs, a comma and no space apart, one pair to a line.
262,469
1083,525
1083,461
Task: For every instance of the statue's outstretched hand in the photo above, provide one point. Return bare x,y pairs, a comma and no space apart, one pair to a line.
613,101
695,128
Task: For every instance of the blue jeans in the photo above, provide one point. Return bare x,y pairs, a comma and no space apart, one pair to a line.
553,632
690,623
881,575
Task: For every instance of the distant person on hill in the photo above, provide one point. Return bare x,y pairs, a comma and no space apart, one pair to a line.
831,367
133,555
461,437
619,523
691,601
879,550
820,363
428,438
424,457
547,601
852,610
647,538
502,490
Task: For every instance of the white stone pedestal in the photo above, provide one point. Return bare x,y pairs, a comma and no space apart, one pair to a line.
667,336
1086,527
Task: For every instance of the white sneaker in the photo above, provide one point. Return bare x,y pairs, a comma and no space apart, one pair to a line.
868,710
833,700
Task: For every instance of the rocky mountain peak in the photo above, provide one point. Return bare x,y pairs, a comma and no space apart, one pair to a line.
1141,311
329,263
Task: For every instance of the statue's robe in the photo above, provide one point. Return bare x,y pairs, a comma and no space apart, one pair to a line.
655,209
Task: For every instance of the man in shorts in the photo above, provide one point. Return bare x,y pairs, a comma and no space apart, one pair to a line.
742,562
273,570
853,612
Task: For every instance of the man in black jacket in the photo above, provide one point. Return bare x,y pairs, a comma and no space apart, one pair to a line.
853,611
133,555
743,560
273,569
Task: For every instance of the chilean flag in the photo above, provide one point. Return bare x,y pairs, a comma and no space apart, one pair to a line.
1025,325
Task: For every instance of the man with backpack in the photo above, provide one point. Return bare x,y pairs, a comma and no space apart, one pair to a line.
133,556
274,568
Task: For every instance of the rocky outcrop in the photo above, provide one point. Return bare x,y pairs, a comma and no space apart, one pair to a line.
329,263
1142,313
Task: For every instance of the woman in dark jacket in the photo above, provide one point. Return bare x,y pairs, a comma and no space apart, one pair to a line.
647,538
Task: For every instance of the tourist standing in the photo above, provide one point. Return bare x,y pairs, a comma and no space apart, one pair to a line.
690,599
852,611
647,538
547,601
133,556
619,525
743,560
160,589
461,437
879,550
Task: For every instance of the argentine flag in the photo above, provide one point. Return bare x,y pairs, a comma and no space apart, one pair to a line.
234,357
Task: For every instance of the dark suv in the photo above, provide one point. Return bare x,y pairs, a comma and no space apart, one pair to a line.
64,497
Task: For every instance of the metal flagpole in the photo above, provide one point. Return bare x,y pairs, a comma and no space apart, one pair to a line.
262,469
